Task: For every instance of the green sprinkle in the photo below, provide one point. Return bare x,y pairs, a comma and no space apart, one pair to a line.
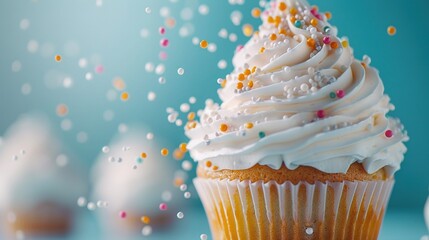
298,23
332,95
326,29
139,160
261,134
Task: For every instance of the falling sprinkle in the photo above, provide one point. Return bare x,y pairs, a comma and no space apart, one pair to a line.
391,30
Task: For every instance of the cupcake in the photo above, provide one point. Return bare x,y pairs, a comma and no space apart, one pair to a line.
131,179
301,146
39,184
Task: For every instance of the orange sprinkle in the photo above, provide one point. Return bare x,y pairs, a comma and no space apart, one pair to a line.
223,83
58,58
270,19
314,22
248,125
208,164
311,42
283,31
256,12
391,30
143,155
328,15
191,116
192,124
292,19
247,30
239,85
178,154
164,152
293,11
62,110
125,96
278,20
215,168
182,147
204,44
247,72
334,45
250,84
178,181
241,77
223,127
145,219
253,69
273,37
345,43
262,50
282,6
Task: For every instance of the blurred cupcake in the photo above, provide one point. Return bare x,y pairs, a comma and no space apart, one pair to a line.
131,180
301,146
39,186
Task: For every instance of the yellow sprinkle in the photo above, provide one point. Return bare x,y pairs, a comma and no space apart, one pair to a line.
215,168
328,15
191,116
293,11
262,50
247,30
345,43
208,164
125,96
143,155
223,127
391,30
250,84
311,42
282,6
223,83
164,152
249,125
204,44
247,72
241,77
283,31
58,58
270,19
314,22
239,85
253,69
145,219
256,12
183,148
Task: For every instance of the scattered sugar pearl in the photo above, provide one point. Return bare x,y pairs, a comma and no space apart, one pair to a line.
183,187
149,67
148,10
163,207
151,96
160,69
81,201
192,100
180,215
388,133
161,80
180,71
187,195
203,237
187,165
222,64
147,230
161,30
91,206
184,107
105,149
304,87
309,231
88,76
149,136
99,69
122,214
391,30
164,42
203,9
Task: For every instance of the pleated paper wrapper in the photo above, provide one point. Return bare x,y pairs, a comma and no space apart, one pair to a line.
329,210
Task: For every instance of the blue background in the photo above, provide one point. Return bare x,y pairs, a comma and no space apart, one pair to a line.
110,35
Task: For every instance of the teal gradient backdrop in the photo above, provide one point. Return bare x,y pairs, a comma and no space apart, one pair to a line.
110,35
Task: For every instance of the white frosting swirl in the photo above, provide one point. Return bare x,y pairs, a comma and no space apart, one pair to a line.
311,104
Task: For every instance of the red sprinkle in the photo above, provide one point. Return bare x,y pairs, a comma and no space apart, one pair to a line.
340,93
320,114
122,214
388,133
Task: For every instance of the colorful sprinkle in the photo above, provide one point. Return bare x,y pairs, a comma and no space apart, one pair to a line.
247,30
311,42
261,134
208,164
332,95
164,42
145,219
388,133
298,24
125,96
223,127
314,22
345,43
143,155
326,40
391,30
122,214
58,58
320,113
273,37
163,207
161,30
340,93
256,12
282,6
204,44
164,152
183,148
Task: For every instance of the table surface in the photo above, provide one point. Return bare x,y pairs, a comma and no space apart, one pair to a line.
398,225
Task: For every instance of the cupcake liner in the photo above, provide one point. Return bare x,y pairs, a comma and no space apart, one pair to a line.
323,210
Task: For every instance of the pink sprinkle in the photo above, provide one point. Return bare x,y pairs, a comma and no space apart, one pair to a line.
99,69
122,214
340,93
164,42
388,133
163,207
239,47
326,40
313,11
162,55
320,114
162,30
318,16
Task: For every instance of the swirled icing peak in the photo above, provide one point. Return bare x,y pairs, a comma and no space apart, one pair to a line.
297,96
